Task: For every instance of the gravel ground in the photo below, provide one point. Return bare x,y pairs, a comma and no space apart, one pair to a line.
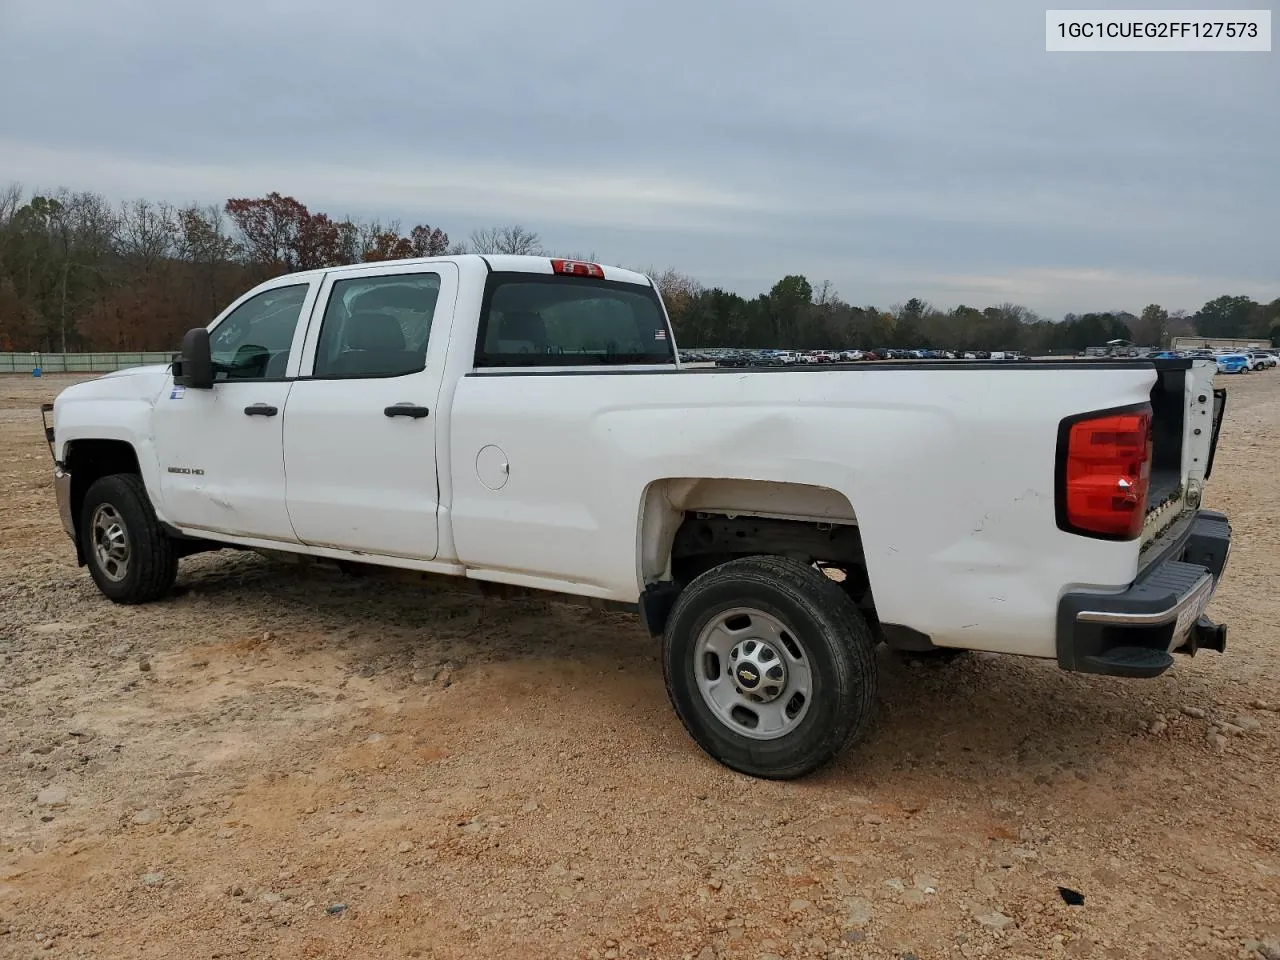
284,763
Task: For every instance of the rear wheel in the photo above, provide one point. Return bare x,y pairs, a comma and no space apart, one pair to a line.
129,555
769,666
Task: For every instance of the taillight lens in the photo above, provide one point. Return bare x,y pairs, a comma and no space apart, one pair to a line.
1106,474
577,268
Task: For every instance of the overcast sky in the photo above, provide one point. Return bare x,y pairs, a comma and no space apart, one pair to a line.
902,149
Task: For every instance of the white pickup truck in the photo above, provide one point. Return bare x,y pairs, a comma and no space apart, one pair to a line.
525,421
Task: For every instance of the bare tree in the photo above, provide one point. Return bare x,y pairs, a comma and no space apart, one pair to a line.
83,227
10,200
825,295
1019,314
148,232
369,237
513,239
204,243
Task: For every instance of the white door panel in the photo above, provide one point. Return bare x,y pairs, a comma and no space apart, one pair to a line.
223,468
222,449
358,479
360,425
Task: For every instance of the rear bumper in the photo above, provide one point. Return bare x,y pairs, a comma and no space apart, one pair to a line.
1134,633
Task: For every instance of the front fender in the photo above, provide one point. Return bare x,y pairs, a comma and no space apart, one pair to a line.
113,408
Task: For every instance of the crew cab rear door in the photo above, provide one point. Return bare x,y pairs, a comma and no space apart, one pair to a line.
361,421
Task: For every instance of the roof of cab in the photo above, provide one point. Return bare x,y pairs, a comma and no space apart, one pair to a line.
507,263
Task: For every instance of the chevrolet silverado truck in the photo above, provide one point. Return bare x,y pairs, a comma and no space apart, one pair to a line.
526,422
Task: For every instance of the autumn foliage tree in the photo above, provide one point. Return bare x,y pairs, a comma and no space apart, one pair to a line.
281,234
425,241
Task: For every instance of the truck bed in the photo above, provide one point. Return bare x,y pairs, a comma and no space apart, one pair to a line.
1170,469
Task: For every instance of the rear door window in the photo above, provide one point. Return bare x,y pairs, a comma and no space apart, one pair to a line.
377,326
539,320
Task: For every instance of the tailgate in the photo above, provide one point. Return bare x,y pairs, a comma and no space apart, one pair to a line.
1219,408
1186,420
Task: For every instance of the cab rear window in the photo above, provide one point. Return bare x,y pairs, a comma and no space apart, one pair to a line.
538,320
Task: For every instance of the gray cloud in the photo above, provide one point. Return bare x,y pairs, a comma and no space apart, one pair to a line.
920,148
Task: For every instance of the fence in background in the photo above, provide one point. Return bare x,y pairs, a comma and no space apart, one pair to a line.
78,362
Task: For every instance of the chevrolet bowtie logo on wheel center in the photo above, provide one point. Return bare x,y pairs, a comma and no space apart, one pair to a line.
748,676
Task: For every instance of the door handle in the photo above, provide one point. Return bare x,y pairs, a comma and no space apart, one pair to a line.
260,410
406,410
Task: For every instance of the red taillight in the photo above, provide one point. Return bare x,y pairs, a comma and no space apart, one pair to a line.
1105,474
577,268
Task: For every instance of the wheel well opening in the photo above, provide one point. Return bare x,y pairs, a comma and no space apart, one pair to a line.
707,540
90,460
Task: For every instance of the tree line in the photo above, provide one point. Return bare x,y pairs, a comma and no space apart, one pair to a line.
78,273
794,315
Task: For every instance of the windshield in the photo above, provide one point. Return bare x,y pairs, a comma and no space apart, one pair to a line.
533,319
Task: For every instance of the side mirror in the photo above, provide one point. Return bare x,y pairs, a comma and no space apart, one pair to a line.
194,366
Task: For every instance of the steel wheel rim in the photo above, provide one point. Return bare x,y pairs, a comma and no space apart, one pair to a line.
753,673
110,542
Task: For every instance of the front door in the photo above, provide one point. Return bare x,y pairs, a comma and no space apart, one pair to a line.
222,449
361,420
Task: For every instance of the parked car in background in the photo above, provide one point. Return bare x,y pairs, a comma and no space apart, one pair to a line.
1261,360
1232,363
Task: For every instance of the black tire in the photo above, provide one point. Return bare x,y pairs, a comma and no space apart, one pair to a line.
151,564
834,638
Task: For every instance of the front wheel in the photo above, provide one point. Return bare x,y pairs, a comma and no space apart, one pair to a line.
769,666
129,555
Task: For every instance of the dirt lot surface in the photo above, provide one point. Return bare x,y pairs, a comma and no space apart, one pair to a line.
297,764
